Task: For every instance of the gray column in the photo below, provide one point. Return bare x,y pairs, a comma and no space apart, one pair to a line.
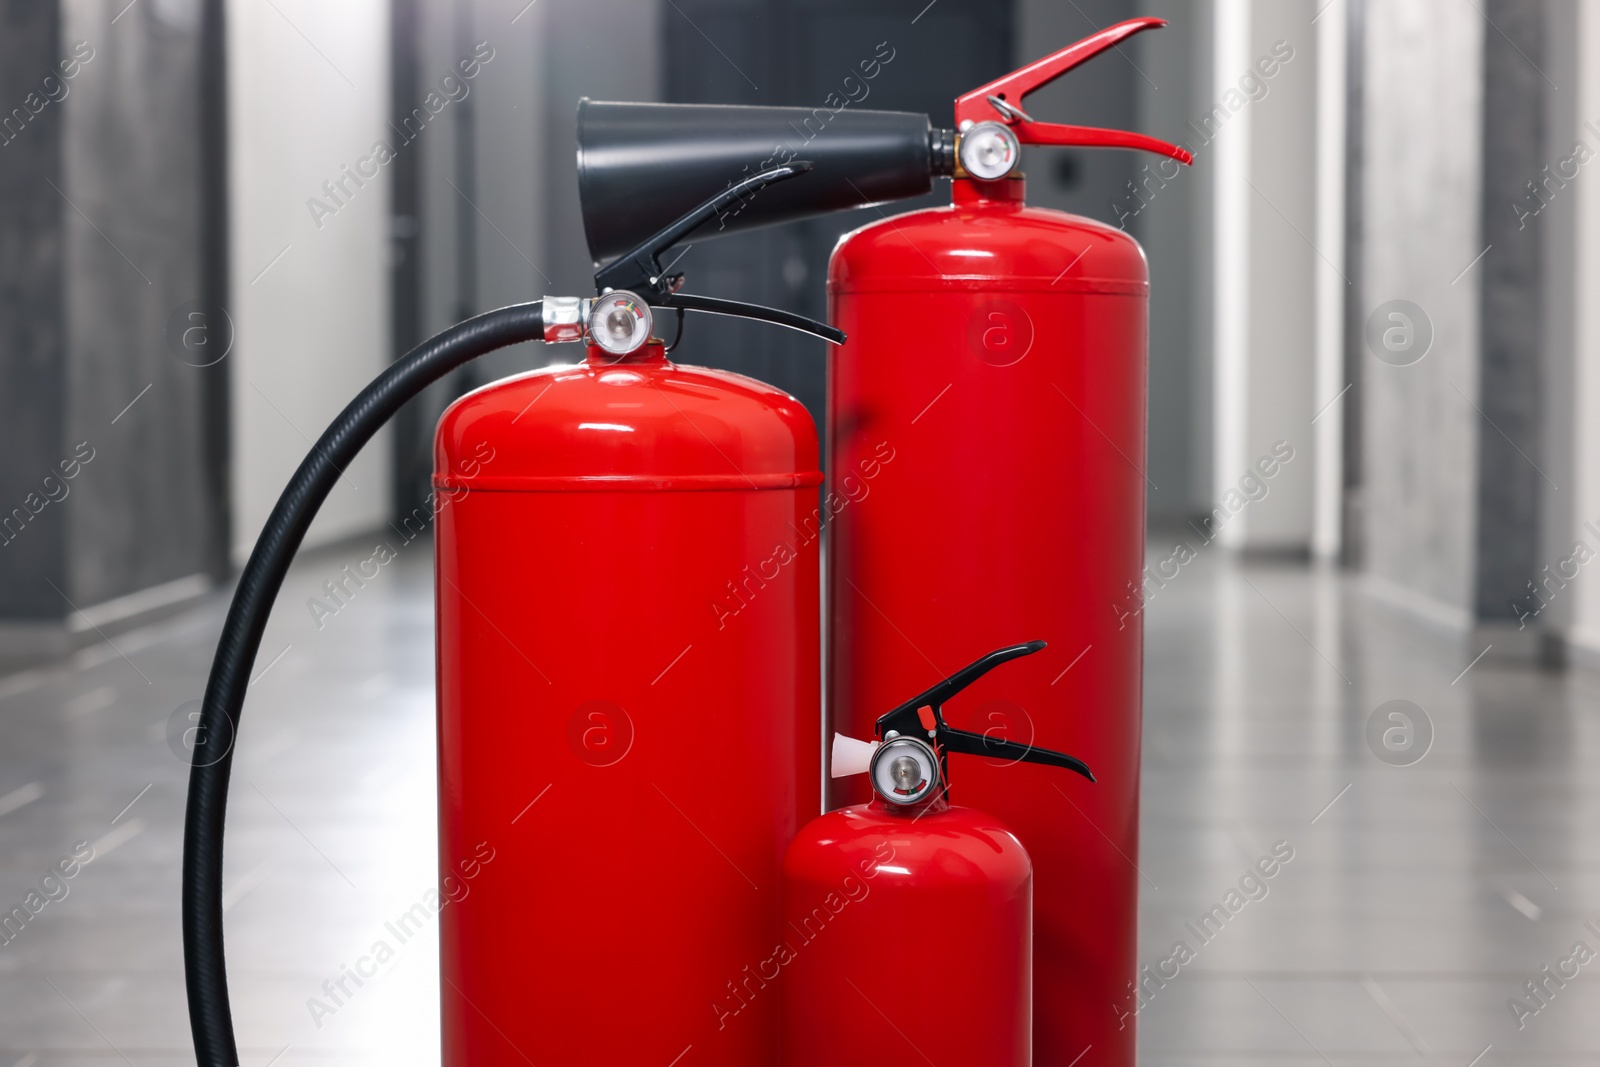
1456,464
32,331
1422,197
109,487
1511,481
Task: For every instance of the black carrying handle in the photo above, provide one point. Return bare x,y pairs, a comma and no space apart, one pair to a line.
907,718
943,691
639,269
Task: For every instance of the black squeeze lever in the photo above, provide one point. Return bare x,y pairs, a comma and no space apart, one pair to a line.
909,719
640,270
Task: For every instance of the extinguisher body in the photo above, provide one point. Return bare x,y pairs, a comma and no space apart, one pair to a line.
627,606
1001,350
907,939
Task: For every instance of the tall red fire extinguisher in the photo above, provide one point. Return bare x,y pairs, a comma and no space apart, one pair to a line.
626,595
908,933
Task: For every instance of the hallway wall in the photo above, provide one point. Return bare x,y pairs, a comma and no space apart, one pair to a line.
1422,179
1260,134
1469,429
308,112
1583,410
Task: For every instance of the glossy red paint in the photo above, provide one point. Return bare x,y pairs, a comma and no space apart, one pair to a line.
632,737
909,941
1001,350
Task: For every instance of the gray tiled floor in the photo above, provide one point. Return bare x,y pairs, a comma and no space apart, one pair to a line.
1415,905
1413,908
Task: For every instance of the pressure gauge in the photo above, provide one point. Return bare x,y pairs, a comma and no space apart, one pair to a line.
619,322
989,150
904,770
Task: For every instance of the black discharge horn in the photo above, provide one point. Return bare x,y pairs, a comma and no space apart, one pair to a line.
641,166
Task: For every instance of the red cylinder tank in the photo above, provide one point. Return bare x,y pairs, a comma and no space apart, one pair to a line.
627,613
1000,351
883,907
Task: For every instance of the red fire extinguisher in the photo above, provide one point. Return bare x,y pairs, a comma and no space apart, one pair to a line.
619,589
627,596
881,897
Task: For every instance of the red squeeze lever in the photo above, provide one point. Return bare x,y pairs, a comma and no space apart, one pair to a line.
1003,98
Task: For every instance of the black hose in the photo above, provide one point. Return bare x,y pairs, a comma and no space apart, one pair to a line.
205,968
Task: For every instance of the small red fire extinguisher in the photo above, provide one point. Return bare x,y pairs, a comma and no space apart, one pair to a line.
879,896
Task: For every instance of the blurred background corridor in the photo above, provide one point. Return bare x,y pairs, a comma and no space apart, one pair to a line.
219,220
